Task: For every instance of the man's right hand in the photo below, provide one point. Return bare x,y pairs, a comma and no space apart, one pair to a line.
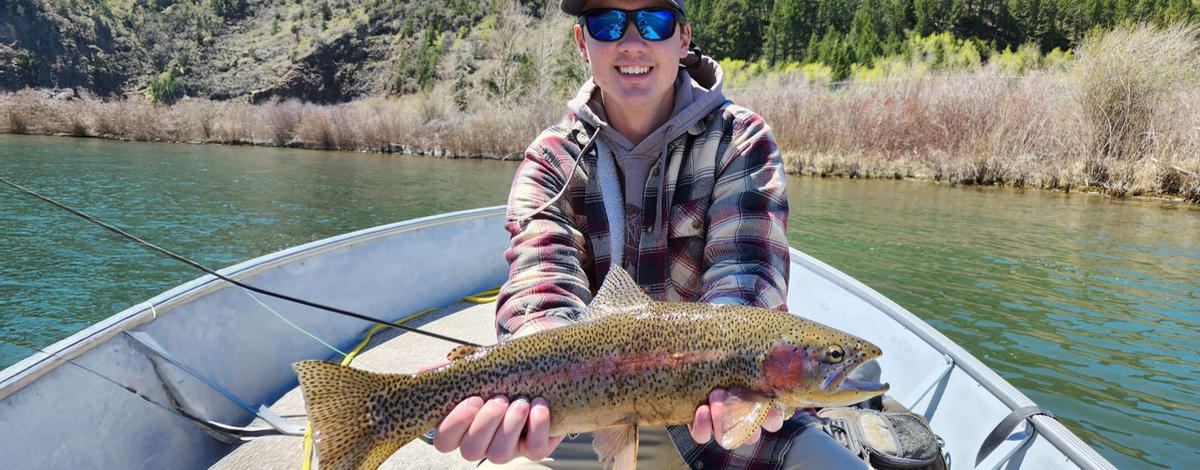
492,429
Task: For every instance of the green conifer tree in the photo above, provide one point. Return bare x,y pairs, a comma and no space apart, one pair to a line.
864,39
789,30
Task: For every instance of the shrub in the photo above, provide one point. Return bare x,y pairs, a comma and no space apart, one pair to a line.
282,119
1122,79
165,87
226,8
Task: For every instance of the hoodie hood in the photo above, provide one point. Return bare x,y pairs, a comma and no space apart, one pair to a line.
697,93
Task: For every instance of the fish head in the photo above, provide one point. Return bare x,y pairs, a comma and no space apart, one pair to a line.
810,365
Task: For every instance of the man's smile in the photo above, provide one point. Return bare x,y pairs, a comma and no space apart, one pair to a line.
634,70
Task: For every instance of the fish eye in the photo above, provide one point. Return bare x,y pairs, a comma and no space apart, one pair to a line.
835,354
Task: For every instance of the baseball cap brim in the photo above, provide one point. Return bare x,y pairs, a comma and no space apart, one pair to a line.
575,7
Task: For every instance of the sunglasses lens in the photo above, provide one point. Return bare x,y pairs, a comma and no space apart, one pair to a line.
606,25
656,25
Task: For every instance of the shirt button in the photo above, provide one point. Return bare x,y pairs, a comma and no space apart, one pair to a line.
654,172
698,465
696,224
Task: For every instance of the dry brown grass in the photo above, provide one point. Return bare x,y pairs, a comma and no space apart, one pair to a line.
1122,130
971,127
1066,130
416,124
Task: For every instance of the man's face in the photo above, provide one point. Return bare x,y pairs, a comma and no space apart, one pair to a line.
633,72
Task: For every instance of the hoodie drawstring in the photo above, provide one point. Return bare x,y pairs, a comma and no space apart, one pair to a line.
663,156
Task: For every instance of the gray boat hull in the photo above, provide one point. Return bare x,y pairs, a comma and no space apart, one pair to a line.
56,414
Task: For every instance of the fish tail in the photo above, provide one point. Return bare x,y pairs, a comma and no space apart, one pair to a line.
348,410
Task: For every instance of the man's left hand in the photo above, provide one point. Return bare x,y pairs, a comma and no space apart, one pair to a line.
705,425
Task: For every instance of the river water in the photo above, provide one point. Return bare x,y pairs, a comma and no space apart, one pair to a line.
1089,305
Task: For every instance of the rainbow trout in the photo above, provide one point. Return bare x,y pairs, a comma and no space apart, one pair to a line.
630,361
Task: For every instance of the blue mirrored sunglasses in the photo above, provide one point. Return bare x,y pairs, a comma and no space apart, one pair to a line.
608,24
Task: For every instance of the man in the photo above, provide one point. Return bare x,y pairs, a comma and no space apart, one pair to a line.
653,171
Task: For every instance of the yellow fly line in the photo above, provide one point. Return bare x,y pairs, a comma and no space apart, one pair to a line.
480,298
484,297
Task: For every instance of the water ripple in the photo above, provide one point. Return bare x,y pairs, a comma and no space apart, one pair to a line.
1090,306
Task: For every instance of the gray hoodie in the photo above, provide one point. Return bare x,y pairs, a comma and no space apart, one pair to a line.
697,93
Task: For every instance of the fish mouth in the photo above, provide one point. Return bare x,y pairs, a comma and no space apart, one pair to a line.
834,381
863,386
840,382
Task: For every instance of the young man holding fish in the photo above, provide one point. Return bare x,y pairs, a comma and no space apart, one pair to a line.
655,172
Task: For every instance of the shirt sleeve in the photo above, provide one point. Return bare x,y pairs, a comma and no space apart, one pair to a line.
747,250
547,286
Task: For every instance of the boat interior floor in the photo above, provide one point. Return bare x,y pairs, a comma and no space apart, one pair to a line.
390,351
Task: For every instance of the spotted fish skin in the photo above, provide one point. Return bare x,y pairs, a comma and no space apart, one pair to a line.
631,361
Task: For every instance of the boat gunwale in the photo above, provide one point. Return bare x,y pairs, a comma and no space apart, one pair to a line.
1054,431
15,377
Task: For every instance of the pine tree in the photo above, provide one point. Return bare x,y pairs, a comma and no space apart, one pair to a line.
1178,11
864,39
833,15
789,30
730,28
930,16
832,51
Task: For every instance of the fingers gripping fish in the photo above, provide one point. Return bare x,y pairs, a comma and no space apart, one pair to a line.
630,361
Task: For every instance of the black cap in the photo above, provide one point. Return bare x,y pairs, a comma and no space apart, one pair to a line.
575,7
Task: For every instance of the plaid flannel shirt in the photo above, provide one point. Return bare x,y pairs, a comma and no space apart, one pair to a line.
723,240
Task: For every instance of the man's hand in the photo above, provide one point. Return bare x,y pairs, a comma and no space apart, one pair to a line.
706,424
492,429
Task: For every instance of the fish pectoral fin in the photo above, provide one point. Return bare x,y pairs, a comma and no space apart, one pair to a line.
460,352
617,446
744,413
786,411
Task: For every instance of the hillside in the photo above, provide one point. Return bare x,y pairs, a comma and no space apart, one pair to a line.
319,51
331,51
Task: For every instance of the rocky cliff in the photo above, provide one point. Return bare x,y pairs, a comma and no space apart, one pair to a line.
321,51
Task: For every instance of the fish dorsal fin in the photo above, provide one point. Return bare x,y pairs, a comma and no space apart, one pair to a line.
460,352
617,446
618,293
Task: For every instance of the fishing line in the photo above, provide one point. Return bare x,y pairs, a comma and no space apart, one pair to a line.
233,432
235,282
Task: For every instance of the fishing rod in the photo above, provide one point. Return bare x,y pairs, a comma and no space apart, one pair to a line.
235,282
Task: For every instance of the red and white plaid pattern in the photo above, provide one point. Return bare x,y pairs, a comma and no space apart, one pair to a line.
723,238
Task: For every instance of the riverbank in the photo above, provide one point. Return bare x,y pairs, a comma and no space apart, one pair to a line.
418,124
1122,119
965,128
982,129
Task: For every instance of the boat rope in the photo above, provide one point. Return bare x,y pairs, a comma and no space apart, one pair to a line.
222,277
484,297
480,298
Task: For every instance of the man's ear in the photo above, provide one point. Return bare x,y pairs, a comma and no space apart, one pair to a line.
580,42
685,35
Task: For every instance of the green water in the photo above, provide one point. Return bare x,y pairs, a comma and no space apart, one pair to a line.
1090,306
